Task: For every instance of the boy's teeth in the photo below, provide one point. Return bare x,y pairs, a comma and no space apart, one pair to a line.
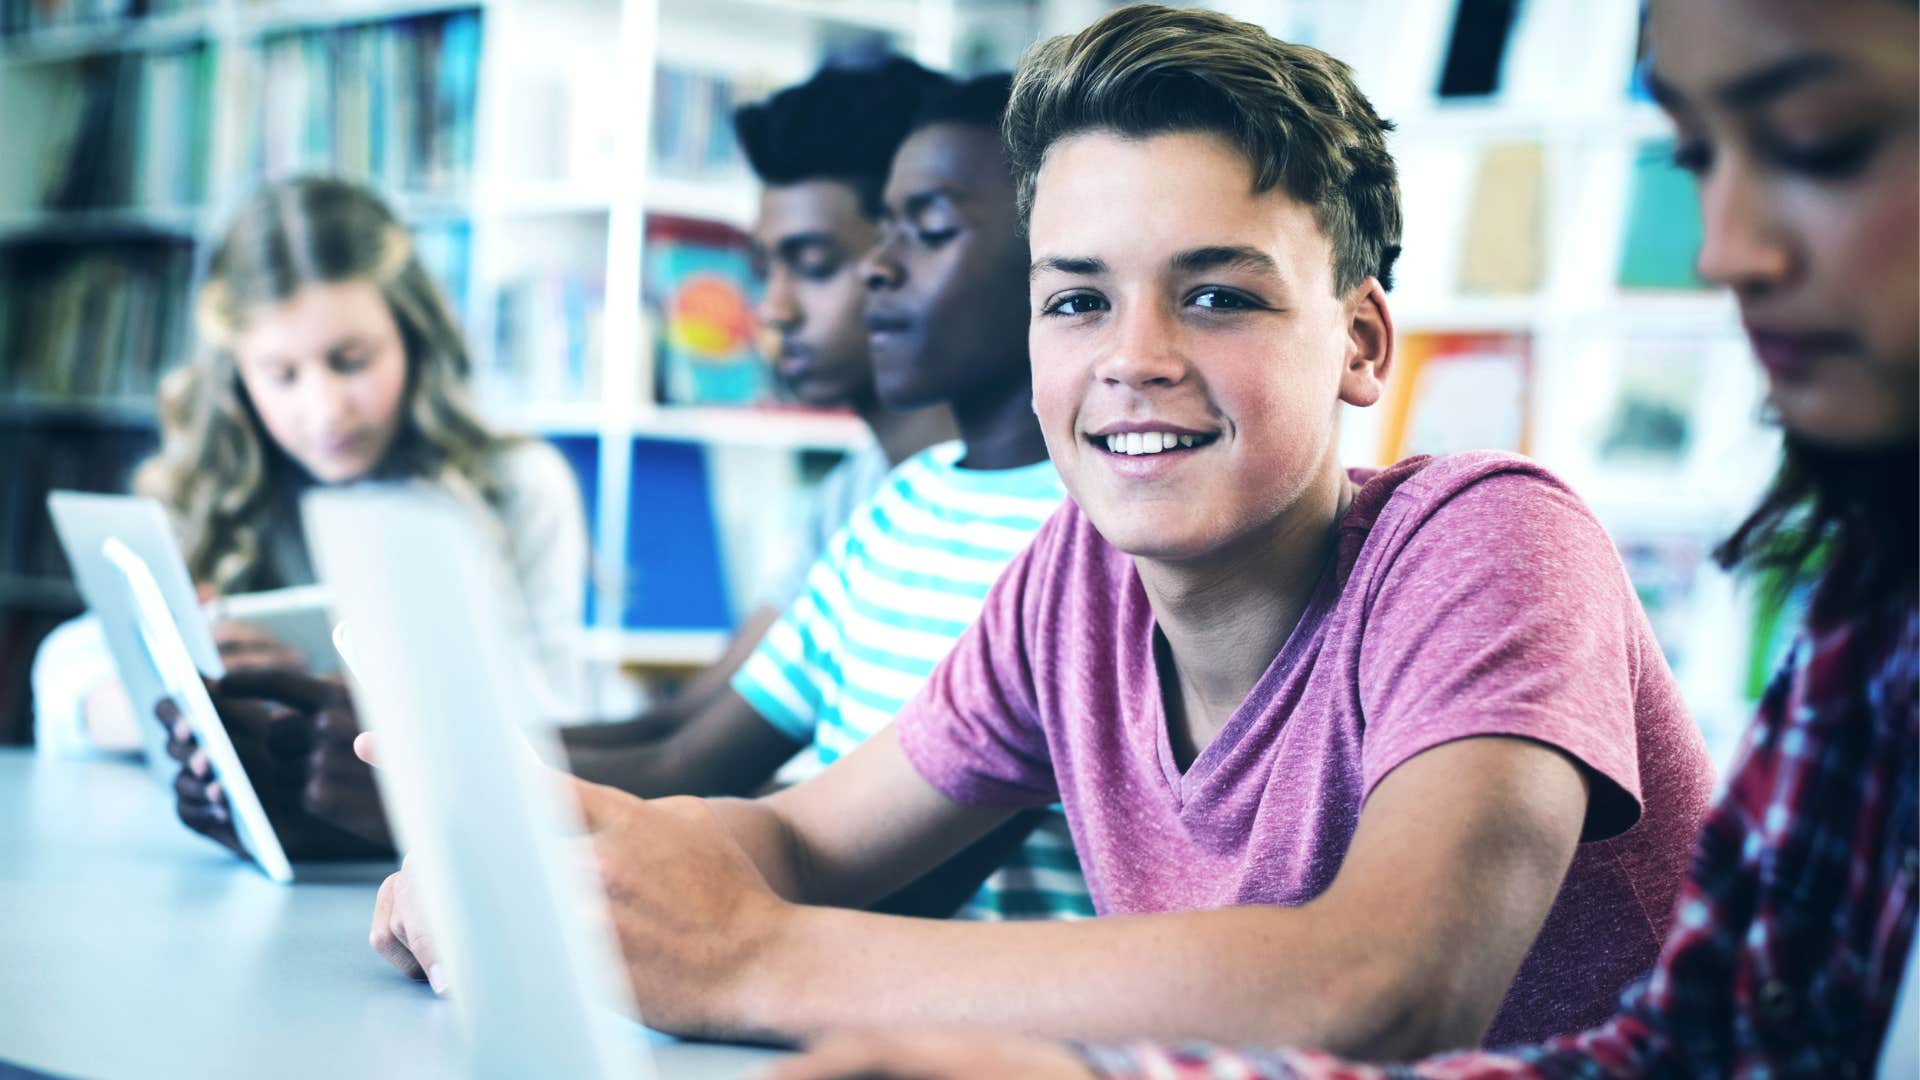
1147,442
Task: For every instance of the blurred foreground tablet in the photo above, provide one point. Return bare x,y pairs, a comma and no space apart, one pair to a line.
496,843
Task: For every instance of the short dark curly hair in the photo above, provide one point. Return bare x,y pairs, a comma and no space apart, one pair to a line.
842,124
1292,110
977,102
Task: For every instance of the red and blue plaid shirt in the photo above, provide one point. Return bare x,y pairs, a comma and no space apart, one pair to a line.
1792,930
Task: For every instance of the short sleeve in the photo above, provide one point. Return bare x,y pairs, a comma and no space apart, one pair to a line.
974,731
1505,610
795,670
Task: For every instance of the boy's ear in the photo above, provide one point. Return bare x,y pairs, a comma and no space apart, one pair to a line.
1370,342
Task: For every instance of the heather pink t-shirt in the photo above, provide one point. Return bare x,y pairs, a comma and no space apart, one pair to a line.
1470,595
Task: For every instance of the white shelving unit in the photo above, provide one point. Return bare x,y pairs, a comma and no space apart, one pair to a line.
560,184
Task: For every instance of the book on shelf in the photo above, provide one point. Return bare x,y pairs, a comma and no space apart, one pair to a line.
548,340
44,457
128,130
390,102
693,123
80,322
1451,392
1503,250
1662,229
24,17
699,290
445,247
1477,48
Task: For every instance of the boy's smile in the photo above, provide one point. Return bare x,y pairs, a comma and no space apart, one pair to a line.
1190,355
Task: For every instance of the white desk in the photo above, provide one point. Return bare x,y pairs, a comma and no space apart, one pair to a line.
131,947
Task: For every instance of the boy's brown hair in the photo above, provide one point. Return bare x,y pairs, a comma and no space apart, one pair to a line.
1292,110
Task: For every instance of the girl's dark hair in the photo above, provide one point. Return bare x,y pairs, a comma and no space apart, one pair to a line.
1842,519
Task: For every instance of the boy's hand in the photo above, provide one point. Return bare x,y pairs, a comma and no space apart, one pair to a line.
294,735
689,909
932,1055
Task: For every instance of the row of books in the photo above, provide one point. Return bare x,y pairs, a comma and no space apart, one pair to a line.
35,16
548,340
45,457
445,247
92,323
693,123
1503,245
388,102
130,129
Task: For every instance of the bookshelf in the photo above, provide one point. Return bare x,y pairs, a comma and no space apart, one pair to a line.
1639,390
517,138
540,211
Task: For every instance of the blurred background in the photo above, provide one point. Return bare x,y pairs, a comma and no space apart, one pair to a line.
569,169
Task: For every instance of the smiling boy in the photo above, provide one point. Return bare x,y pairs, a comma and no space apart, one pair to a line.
1383,762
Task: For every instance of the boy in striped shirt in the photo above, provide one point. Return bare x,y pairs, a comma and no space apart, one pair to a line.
947,322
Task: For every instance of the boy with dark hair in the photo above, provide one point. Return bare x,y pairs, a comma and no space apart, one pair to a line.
1380,761
821,151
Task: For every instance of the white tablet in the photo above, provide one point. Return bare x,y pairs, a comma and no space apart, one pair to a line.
496,847
181,680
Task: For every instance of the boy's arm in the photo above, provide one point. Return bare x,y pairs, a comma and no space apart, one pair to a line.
1456,861
725,747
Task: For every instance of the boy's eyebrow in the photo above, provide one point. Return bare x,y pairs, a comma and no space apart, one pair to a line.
1225,257
792,246
920,200
1079,266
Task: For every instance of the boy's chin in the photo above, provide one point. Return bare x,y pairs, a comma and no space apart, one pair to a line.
1167,534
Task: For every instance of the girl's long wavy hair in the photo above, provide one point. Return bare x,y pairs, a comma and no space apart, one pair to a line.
217,467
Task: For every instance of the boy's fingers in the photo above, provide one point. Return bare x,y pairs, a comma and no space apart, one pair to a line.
600,805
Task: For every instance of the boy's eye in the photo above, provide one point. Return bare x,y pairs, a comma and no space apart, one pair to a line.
934,238
817,269
1075,304
1223,300
348,364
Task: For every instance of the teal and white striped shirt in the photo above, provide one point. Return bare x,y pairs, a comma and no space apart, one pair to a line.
883,606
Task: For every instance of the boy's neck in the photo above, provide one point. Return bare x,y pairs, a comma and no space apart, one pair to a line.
1224,621
904,434
999,429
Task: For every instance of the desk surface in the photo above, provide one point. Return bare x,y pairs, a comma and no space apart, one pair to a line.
131,947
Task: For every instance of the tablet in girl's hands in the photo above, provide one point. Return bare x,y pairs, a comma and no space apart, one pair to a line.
181,678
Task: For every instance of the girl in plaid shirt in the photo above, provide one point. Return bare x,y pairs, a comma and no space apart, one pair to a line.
1798,118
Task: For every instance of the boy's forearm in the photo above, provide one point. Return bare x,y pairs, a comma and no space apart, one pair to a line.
725,748
1248,976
